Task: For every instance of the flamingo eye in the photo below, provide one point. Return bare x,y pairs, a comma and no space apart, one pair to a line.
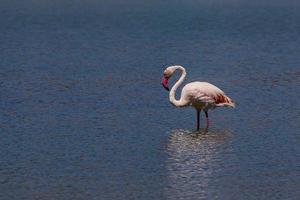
167,74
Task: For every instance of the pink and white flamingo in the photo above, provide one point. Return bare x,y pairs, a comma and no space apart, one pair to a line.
201,95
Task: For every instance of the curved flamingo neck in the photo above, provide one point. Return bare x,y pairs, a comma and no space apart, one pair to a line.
177,103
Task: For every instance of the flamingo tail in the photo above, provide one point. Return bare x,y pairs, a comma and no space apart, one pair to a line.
224,101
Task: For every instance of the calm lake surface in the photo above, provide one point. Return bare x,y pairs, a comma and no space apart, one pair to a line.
84,116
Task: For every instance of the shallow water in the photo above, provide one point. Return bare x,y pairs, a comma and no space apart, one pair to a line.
83,114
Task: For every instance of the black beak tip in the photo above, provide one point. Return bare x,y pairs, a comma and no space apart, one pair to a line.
167,88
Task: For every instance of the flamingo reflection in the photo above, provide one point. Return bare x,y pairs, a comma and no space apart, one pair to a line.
193,160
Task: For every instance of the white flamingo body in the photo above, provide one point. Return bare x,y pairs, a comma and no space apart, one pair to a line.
200,95
204,96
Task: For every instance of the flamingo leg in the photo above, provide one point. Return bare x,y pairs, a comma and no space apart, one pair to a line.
207,120
198,119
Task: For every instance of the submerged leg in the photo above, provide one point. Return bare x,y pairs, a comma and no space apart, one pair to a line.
198,119
207,120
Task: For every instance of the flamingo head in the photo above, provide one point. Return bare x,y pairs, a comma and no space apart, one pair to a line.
167,74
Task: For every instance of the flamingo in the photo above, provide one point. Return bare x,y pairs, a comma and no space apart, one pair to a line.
200,95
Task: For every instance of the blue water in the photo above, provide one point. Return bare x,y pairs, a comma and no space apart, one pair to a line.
84,116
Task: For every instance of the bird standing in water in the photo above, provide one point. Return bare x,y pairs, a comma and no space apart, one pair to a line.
200,95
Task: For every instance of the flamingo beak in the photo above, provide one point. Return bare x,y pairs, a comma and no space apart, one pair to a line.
164,83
